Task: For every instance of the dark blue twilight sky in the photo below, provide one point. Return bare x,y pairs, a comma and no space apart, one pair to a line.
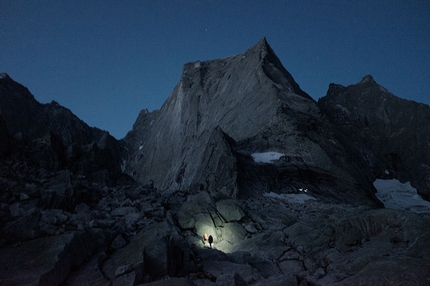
106,60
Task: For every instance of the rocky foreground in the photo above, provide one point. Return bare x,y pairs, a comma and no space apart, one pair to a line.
128,235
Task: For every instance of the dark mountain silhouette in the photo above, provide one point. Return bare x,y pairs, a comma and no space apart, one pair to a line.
51,136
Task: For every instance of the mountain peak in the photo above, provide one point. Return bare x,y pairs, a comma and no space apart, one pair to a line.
261,48
273,67
367,79
262,44
4,75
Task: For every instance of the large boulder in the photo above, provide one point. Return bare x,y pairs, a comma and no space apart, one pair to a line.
58,192
229,210
48,260
23,228
155,252
89,273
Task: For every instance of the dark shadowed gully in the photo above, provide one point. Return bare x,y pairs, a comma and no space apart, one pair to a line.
241,178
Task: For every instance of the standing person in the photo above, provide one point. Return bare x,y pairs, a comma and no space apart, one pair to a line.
211,240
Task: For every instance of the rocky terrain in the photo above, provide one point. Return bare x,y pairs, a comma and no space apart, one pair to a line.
282,183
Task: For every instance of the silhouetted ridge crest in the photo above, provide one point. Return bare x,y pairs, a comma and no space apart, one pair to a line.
367,79
4,75
53,137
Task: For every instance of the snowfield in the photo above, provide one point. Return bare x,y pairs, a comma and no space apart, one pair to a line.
266,157
396,195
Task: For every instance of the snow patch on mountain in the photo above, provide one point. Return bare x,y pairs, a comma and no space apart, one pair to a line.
396,195
344,109
266,157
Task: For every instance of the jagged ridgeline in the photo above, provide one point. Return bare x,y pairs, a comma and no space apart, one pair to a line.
283,185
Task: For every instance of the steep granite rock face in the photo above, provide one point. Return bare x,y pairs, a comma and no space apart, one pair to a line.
224,111
391,134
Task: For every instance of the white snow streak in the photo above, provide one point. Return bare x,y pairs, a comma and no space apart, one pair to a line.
266,157
344,109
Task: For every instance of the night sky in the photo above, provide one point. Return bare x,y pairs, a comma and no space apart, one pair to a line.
107,60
